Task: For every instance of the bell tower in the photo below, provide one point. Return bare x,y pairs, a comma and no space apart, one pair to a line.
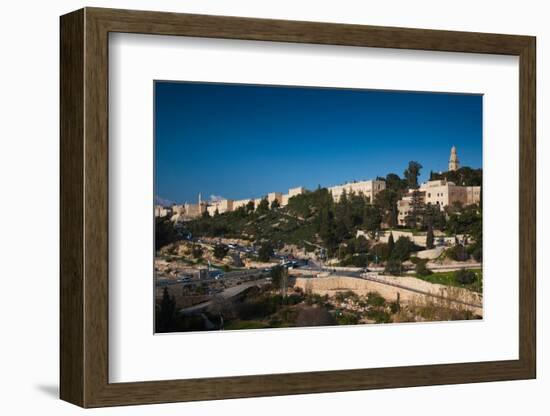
454,163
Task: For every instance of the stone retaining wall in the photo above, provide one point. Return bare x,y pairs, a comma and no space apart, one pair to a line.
334,284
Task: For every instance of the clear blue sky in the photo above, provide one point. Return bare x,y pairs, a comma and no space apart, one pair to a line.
239,141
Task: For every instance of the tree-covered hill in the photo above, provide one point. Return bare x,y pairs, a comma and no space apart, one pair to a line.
464,176
312,218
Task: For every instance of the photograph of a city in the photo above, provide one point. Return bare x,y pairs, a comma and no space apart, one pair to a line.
280,207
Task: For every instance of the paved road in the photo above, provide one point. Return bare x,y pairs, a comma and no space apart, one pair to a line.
226,294
236,274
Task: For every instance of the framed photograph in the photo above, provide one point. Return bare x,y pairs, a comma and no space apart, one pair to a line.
260,207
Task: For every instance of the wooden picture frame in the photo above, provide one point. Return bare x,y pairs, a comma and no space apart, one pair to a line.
84,207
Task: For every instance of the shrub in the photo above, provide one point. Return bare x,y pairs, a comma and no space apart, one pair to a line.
476,251
357,260
348,294
197,251
457,253
403,248
294,299
347,319
381,250
314,316
393,266
415,260
220,251
314,299
165,233
421,269
395,307
375,299
380,317
464,277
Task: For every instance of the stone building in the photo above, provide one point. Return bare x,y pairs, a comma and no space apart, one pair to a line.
161,211
191,211
444,193
441,193
181,212
368,188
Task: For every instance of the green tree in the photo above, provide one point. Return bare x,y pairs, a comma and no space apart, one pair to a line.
279,278
240,212
411,174
430,238
165,318
250,206
197,251
476,251
361,245
165,233
394,267
387,201
465,176
205,214
433,217
275,204
265,252
327,229
403,248
220,251
421,269
467,221
276,275
391,244
263,206
395,183
415,217
372,219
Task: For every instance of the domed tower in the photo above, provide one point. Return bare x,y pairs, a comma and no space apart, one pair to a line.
454,164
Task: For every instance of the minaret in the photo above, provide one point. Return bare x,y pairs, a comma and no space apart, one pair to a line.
200,199
454,164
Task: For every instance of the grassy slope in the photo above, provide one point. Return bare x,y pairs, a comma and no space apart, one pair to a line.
447,279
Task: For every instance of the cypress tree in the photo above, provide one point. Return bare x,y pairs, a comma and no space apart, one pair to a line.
391,244
167,312
430,238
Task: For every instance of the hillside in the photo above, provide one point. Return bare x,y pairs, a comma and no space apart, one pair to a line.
312,218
